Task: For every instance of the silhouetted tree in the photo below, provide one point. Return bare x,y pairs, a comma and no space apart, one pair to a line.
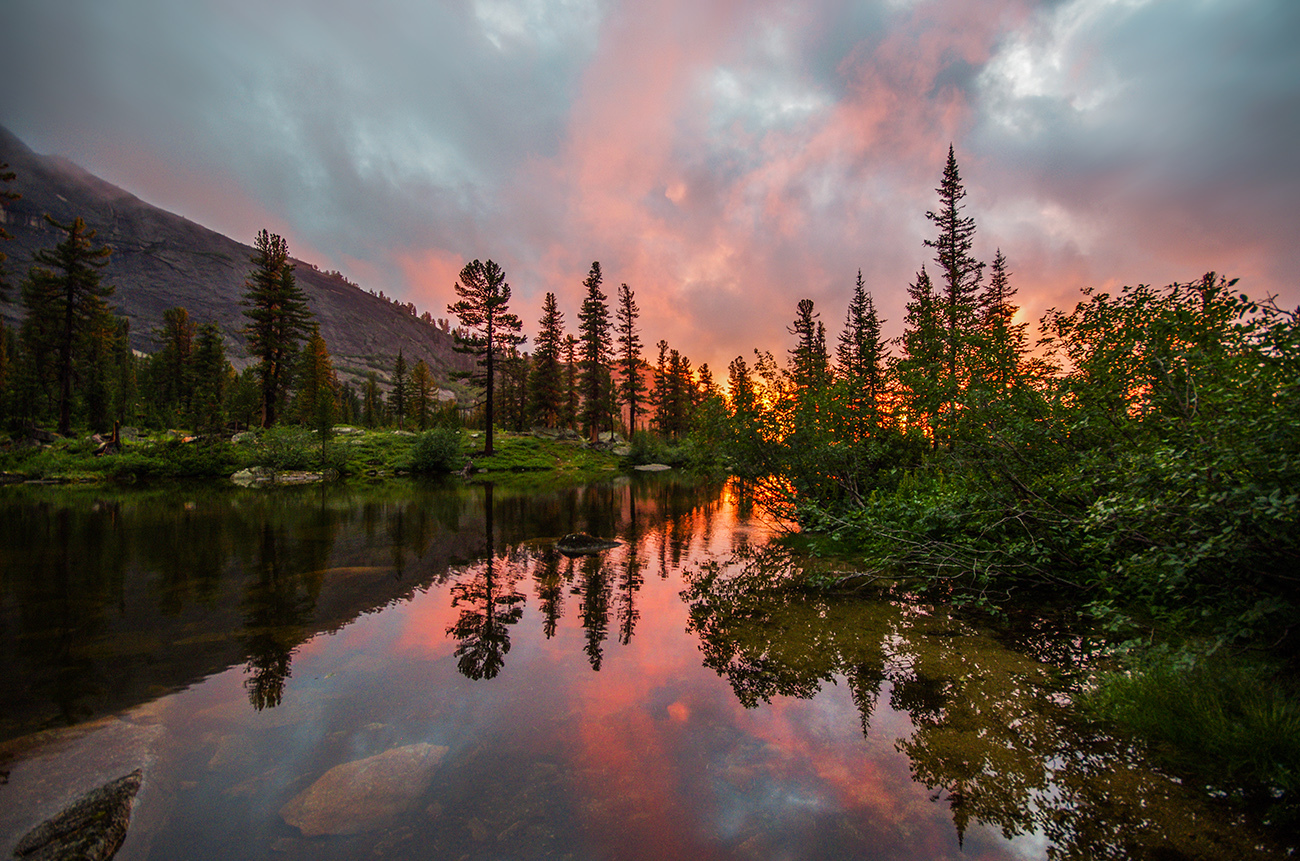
594,336
546,404
422,393
482,310
629,356
210,376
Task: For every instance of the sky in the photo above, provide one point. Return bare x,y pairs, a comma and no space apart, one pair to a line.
723,158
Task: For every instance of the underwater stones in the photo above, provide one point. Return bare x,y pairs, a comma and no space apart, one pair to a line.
652,467
91,828
366,794
582,544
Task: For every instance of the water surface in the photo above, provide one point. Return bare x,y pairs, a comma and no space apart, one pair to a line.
672,697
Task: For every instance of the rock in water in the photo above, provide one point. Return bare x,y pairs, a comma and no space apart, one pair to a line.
582,544
364,795
91,828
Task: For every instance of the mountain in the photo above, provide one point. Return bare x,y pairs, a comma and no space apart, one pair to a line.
161,260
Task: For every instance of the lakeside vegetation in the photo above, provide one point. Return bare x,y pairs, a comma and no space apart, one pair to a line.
1139,462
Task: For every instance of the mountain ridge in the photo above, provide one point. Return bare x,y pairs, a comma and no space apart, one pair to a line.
162,260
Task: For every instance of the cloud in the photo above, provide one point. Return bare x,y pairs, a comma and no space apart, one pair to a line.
725,159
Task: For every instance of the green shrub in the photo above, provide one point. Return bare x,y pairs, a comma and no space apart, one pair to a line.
436,451
288,448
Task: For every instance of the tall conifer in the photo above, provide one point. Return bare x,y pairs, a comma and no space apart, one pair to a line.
490,327
594,337
278,318
629,358
546,383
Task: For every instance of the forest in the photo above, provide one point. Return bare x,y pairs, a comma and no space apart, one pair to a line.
1136,459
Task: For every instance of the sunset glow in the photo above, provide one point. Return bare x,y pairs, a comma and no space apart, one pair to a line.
723,159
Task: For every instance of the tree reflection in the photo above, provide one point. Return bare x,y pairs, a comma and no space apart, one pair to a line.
279,601
993,736
489,604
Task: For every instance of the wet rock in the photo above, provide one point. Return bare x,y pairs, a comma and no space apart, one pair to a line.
254,475
652,467
92,828
364,795
582,544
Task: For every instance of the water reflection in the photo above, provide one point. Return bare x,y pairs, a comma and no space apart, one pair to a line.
675,696
489,603
990,731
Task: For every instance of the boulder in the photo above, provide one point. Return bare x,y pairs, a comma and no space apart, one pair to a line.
652,467
582,544
91,828
365,795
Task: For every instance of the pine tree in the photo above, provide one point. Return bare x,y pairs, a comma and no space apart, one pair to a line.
399,394
594,336
962,275
209,366
860,356
372,407
570,417
922,353
422,393
1004,340
546,403
276,308
65,308
629,343
482,310
659,395
316,402
171,368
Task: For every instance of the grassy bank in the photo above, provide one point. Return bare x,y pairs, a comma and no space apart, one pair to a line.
351,452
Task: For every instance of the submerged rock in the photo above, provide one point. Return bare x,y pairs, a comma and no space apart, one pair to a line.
91,828
582,544
652,467
364,795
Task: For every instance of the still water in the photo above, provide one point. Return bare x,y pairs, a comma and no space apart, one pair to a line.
413,671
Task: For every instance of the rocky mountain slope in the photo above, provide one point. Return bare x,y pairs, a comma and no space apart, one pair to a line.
161,261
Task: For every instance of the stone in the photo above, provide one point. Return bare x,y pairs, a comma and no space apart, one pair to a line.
652,467
582,544
92,828
365,795
254,475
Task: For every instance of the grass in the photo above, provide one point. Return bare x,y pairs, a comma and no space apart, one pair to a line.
1228,724
362,453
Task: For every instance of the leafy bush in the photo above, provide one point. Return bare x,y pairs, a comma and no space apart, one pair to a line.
288,448
436,451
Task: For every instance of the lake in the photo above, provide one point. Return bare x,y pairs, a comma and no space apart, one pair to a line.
410,670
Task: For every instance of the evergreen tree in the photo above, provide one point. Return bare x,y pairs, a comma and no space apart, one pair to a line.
546,384
659,395
399,394
422,393
860,356
809,368
171,369
961,275
570,417
629,344
594,336
372,407
66,311
278,318
922,354
316,401
210,377
1005,341
482,310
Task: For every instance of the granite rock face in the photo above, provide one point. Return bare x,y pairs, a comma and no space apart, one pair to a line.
92,828
365,795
